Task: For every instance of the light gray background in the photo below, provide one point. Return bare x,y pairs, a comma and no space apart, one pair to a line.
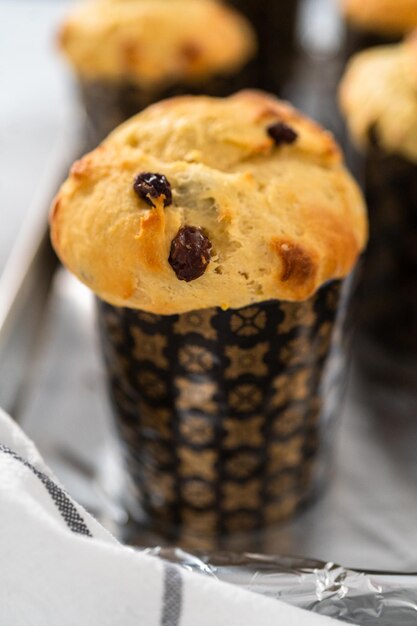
36,106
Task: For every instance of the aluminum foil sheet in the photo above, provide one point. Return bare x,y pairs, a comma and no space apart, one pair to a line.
353,597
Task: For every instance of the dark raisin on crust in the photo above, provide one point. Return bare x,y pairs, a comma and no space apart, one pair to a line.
190,253
148,186
282,133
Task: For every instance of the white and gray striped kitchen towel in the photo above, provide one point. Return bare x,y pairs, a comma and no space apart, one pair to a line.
58,566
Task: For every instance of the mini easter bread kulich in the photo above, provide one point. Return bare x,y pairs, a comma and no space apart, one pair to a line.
386,17
216,234
155,42
201,202
378,96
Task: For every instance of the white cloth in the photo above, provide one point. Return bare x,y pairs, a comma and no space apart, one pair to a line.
58,566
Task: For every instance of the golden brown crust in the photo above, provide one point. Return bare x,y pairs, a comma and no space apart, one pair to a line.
387,17
282,220
155,42
378,94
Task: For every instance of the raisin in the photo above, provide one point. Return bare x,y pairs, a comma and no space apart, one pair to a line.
282,133
148,186
190,253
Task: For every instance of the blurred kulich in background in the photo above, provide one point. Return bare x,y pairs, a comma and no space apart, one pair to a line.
128,54
379,99
374,22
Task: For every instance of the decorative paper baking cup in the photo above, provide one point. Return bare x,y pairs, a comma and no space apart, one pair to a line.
386,300
110,103
225,416
275,23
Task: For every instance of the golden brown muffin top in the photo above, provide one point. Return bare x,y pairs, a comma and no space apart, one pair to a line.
386,17
262,207
153,42
378,96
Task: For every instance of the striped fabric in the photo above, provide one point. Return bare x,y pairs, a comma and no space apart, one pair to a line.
59,567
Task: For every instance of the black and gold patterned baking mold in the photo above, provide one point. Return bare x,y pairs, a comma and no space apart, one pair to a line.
275,23
110,103
225,416
385,304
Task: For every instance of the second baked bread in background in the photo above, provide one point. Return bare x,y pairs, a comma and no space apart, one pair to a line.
379,99
375,22
127,54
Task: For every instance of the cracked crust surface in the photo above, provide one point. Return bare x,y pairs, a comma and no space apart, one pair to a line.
378,96
155,42
282,220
